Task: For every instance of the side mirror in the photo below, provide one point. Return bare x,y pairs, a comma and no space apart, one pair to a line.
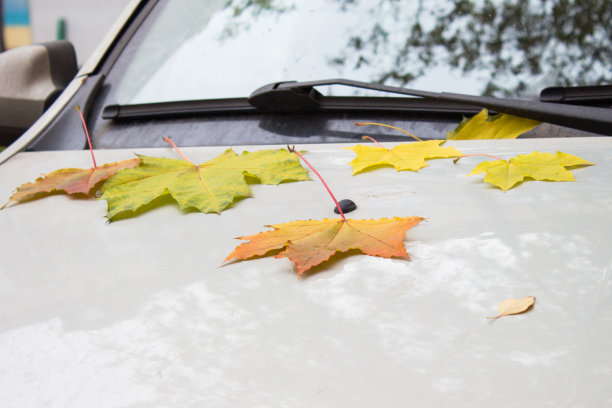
31,78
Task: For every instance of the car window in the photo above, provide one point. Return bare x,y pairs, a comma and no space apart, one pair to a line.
223,49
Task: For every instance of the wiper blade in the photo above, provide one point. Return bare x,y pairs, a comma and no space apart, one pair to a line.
203,107
176,109
292,95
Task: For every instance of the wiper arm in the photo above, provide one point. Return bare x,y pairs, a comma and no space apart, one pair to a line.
600,95
302,96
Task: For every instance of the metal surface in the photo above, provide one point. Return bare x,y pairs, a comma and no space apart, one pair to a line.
138,312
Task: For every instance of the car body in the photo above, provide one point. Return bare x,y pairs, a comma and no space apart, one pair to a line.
143,311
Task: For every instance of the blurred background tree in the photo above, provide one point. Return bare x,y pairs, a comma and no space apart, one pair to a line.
518,44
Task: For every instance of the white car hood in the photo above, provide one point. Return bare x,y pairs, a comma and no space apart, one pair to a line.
138,312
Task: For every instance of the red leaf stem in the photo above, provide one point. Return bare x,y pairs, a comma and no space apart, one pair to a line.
167,139
475,154
292,150
374,140
93,158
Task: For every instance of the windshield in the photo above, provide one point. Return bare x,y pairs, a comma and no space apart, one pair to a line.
194,49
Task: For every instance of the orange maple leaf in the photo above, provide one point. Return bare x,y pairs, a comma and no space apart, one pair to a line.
308,243
71,181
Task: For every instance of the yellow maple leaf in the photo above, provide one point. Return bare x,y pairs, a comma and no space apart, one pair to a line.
483,126
514,306
406,156
505,174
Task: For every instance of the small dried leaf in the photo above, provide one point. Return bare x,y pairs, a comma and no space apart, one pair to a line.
514,306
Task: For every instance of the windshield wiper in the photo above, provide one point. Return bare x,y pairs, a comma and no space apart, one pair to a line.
207,107
295,96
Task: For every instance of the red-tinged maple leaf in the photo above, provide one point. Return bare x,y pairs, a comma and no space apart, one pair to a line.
310,242
70,181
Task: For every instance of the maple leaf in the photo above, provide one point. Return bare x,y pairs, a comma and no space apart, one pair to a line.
308,243
483,126
514,306
71,181
406,156
505,174
210,187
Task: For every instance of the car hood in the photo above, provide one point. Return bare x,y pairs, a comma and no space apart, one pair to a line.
139,312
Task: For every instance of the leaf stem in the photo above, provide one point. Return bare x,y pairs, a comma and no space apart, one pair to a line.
167,139
93,158
476,154
374,140
292,150
388,126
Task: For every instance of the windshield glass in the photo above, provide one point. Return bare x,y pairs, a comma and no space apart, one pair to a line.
194,49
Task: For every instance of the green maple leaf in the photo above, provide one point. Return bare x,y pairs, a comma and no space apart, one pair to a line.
406,156
506,174
210,187
483,126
